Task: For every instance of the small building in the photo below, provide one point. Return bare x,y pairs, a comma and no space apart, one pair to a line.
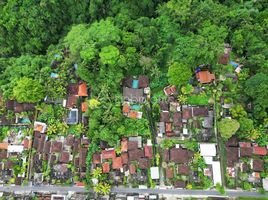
265,184
154,172
170,90
205,77
207,149
40,127
73,116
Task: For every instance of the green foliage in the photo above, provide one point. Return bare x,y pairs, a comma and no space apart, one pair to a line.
3,132
178,74
31,31
199,99
102,188
188,89
220,188
109,55
228,127
28,90
258,94
238,111
246,125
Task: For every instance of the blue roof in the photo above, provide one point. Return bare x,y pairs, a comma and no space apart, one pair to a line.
234,64
135,84
54,75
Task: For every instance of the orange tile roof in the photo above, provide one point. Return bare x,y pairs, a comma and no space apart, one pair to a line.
3,145
106,167
133,114
117,163
126,108
82,90
80,184
107,154
84,106
262,151
205,77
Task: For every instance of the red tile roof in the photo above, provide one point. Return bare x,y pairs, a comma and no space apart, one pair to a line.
246,152
245,144
82,90
168,127
186,113
169,172
184,170
258,165
64,157
205,77
126,108
106,167
262,151
124,157
84,107
107,154
56,147
144,163
71,101
170,90
96,158
148,151
179,155
117,163
132,145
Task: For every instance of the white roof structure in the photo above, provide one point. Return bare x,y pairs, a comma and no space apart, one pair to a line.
207,149
216,170
40,126
154,172
265,184
15,148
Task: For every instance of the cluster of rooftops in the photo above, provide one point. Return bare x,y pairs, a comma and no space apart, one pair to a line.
58,153
236,154
133,155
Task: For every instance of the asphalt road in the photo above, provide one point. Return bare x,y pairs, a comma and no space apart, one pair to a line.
179,192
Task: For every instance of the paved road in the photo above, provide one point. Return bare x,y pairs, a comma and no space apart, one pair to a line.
181,192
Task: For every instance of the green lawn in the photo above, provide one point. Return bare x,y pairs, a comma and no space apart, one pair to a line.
198,100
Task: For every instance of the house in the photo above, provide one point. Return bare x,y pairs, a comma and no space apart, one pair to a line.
207,149
133,95
205,77
179,155
216,170
179,184
117,163
148,151
232,156
144,163
56,147
72,116
64,157
183,170
154,172
96,158
186,113
258,165
108,154
3,146
169,172
164,116
224,59
164,105
82,90
177,119
165,155
170,90
232,142
261,151
246,152
105,167
265,184
143,81
132,169
72,101
40,127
